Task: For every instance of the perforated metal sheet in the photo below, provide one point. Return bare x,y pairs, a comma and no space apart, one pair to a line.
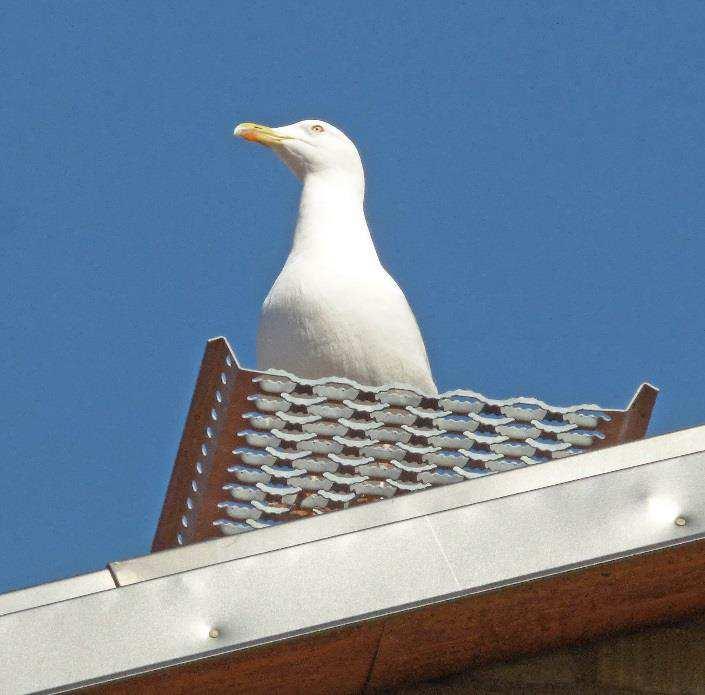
261,449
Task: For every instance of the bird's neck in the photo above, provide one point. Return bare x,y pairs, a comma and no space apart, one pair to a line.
332,218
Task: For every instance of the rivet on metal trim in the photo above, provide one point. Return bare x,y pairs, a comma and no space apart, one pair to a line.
681,521
214,633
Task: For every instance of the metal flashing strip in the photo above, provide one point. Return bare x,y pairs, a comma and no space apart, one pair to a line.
433,501
52,592
617,510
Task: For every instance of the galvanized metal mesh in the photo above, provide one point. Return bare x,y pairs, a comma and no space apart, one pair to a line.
261,449
316,446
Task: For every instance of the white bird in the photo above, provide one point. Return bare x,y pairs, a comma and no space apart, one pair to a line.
334,311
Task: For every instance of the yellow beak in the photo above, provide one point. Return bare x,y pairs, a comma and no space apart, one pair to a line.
254,132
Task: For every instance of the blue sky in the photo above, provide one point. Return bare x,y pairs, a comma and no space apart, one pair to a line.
535,183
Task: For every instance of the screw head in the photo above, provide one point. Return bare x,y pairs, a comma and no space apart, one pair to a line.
214,633
681,521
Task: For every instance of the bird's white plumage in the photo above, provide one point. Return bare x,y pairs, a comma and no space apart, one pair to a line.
334,311
329,318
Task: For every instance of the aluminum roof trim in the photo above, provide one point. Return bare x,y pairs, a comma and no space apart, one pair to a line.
52,592
339,580
432,501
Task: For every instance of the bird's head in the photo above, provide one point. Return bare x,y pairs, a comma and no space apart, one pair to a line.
309,148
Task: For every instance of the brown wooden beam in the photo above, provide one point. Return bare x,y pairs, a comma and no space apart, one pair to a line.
335,661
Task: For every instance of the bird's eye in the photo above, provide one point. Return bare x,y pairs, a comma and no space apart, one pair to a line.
317,128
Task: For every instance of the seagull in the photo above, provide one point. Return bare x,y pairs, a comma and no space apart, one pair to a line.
334,311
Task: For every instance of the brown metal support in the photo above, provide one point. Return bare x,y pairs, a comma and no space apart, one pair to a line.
190,452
